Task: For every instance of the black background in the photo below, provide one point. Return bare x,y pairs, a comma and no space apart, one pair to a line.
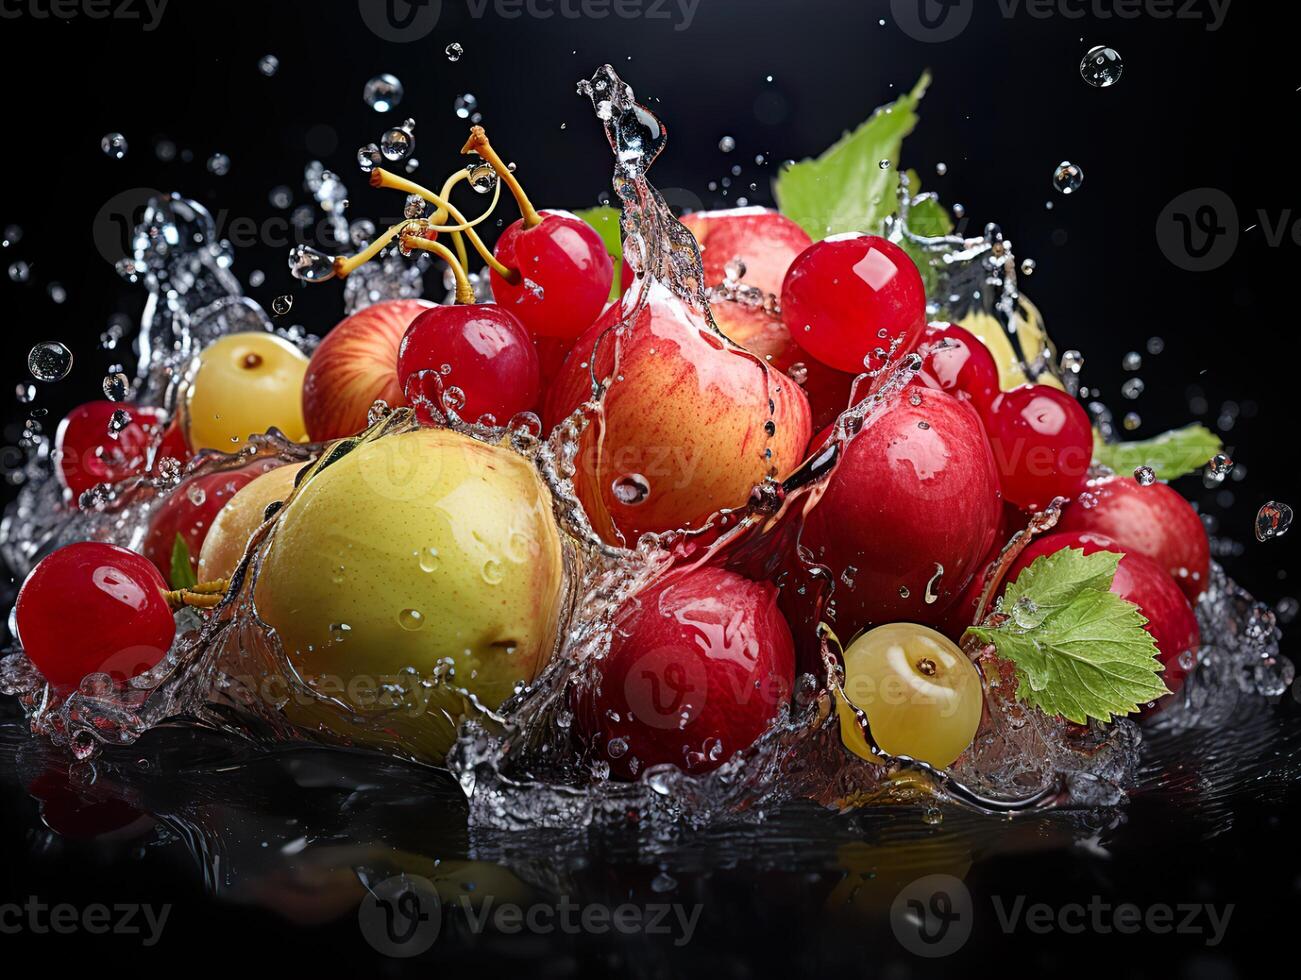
1196,108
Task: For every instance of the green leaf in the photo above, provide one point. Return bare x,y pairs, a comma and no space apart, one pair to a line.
1079,650
845,189
605,220
182,576
1171,455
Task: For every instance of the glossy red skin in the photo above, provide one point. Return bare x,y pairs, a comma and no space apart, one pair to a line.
704,642
86,455
93,607
179,514
1154,521
956,362
846,297
767,242
566,257
689,416
1139,580
490,357
902,500
354,365
1043,444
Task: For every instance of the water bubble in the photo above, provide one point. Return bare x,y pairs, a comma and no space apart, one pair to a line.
428,559
383,92
1068,177
1145,475
114,145
219,164
1132,388
1155,345
369,157
414,207
165,150
1102,67
727,144
1273,520
280,197
631,489
282,305
116,386
19,272
309,264
482,177
49,361
396,144
454,51
268,65
465,105
411,619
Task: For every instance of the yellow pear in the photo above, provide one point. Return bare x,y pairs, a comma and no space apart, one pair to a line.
245,384
235,523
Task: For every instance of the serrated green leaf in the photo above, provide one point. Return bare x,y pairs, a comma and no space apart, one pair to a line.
845,188
182,574
1078,650
1171,455
605,220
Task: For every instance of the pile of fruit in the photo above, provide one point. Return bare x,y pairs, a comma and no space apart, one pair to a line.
430,563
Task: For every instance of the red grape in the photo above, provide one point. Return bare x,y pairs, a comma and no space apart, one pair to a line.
847,298
1042,443
565,274
87,455
477,361
92,607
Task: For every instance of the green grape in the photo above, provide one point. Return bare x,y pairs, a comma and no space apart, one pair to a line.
922,696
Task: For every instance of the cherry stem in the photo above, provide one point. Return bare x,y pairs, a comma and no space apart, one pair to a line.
205,595
345,265
478,143
464,291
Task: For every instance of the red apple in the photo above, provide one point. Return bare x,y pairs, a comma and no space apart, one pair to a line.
763,240
911,509
85,454
1154,521
690,424
356,364
699,667
1139,580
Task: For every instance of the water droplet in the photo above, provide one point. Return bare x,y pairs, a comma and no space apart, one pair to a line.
12,236
1220,466
932,816
617,748
1155,345
631,489
309,264
282,305
56,292
492,571
369,157
49,361
734,270
1145,476
428,558
465,105
219,164
19,272
1068,177
114,145
25,393
884,164
941,169
1273,521
482,177
453,399
1132,361
396,144
339,632
454,51
116,386
727,144
382,93
196,495
1102,67
268,65
1028,267
411,619
1131,421
1132,388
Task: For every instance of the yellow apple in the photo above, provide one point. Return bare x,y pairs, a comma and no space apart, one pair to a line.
245,384
235,523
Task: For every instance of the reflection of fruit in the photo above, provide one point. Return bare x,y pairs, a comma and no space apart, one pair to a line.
565,274
87,455
764,241
908,513
189,511
223,547
91,608
687,427
246,383
922,696
475,361
1139,580
1043,444
848,297
1154,521
424,550
69,814
355,365
698,668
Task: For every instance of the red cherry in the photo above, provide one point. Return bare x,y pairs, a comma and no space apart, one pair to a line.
87,455
1042,443
907,515
1154,521
565,274
1139,580
92,607
698,669
953,360
482,351
189,511
845,298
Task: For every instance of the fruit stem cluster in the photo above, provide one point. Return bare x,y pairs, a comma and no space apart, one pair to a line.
204,595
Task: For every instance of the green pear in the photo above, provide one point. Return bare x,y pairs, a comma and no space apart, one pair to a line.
416,574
